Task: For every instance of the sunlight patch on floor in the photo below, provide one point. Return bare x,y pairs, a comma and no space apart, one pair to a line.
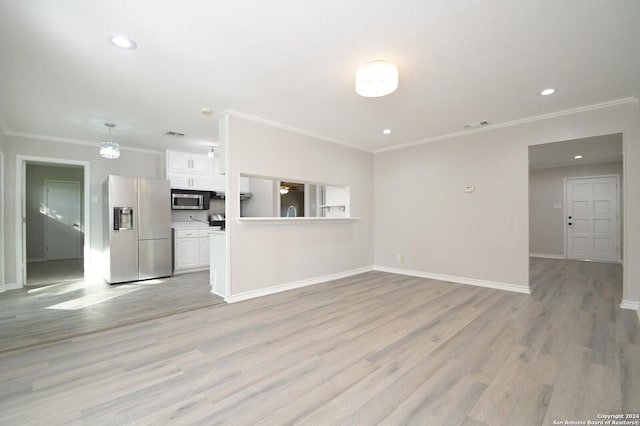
95,299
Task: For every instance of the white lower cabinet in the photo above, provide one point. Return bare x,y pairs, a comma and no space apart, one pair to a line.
203,249
191,249
218,270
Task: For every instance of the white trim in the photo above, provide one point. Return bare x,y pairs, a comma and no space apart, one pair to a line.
224,139
270,123
460,280
292,220
573,163
629,304
547,256
75,141
3,285
293,285
9,286
21,245
189,270
512,123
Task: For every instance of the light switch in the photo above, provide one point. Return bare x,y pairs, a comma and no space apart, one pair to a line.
469,188
95,199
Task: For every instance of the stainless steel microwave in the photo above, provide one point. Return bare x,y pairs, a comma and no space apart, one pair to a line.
190,200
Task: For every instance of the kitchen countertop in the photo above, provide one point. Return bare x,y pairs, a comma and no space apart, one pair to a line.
191,225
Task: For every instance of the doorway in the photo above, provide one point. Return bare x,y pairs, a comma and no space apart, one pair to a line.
552,167
53,217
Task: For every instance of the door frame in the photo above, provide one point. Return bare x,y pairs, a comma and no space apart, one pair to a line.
46,223
20,212
618,205
2,203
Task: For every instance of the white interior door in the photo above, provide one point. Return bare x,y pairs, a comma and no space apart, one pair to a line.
592,218
63,229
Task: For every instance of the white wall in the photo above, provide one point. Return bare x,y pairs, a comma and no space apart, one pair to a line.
130,163
268,255
422,212
546,188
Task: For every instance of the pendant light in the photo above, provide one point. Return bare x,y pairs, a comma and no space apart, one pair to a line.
109,148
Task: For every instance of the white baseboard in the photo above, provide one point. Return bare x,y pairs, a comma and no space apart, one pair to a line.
628,304
9,286
460,280
188,271
634,306
293,285
547,256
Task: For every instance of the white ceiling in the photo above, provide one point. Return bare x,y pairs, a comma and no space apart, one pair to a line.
293,62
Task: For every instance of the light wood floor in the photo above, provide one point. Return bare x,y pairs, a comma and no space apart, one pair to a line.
373,349
60,310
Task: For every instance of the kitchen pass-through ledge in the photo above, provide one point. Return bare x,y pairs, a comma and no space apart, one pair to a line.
292,220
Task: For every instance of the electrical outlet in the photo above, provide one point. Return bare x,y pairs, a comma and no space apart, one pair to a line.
399,257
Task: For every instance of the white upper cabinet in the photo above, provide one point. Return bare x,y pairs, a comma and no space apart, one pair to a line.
178,162
190,171
202,165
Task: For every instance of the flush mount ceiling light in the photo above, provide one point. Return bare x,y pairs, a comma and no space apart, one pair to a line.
547,92
387,131
122,42
376,78
578,157
109,148
284,189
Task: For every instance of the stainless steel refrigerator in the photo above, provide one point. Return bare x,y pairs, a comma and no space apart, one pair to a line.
137,228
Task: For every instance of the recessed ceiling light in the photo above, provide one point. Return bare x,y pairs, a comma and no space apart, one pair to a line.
387,131
547,92
122,42
577,157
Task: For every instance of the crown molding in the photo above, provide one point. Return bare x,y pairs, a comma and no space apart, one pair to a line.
533,118
578,163
271,123
74,141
